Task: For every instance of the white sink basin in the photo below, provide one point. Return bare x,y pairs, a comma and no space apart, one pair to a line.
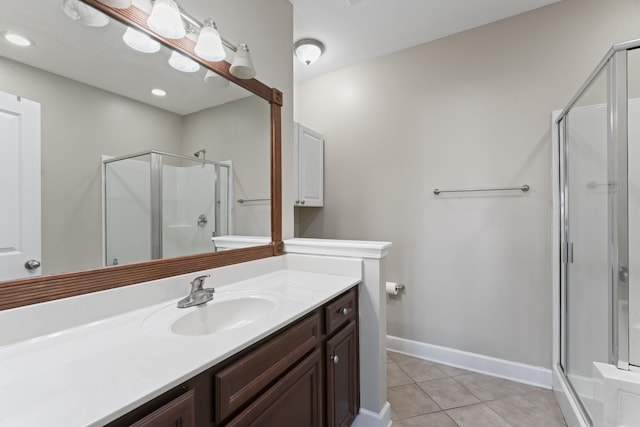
222,316
226,312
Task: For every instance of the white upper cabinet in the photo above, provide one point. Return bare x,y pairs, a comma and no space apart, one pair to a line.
309,167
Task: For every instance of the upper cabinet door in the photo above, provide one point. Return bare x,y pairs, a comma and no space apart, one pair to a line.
20,245
309,167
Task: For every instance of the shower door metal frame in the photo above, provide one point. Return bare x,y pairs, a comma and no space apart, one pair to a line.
615,61
616,65
618,171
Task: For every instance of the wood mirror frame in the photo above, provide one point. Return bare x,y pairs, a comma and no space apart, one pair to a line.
23,292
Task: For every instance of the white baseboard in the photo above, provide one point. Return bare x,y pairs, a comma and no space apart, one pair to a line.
514,371
368,418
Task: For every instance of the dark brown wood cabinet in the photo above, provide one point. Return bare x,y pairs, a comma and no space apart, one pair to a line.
342,377
306,374
295,400
341,361
180,412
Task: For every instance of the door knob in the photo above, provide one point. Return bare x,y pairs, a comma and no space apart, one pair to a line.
32,264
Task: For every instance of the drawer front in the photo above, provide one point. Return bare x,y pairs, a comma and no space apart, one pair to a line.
341,311
295,400
178,412
245,378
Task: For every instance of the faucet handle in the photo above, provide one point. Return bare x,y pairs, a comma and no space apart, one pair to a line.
196,284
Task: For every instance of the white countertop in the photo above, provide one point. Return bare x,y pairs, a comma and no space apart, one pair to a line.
91,374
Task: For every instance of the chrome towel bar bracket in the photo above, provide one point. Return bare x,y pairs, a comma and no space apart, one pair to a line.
523,188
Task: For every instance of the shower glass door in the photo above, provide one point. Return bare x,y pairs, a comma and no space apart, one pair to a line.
585,282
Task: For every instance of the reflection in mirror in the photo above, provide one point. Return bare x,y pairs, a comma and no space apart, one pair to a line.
96,100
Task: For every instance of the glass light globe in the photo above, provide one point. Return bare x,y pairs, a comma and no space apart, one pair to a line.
182,63
165,20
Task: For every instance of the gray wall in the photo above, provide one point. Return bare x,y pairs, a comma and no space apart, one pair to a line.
240,131
472,109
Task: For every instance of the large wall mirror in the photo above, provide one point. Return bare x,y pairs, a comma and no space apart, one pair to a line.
143,165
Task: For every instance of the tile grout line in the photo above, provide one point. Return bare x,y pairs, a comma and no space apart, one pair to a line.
482,402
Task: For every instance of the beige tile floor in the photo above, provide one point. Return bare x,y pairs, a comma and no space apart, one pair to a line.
429,394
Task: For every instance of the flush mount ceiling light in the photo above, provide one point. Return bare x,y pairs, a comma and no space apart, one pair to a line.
209,46
308,50
140,41
17,39
165,19
182,63
159,92
83,13
117,4
242,66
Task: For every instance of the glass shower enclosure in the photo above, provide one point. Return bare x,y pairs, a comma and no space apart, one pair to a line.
599,158
161,205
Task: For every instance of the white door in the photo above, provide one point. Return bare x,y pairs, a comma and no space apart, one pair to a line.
20,247
309,152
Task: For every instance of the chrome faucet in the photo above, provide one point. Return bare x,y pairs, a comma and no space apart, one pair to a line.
198,295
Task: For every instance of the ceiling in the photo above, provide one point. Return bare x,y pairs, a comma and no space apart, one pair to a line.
99,57
354,31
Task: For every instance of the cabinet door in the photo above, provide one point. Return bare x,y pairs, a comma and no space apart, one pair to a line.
309,149
295,400
342,377
180,412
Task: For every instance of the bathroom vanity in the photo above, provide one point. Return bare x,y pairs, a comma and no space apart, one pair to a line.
305,374
277,346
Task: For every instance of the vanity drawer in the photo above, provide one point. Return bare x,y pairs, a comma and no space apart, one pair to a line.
239,382
340,312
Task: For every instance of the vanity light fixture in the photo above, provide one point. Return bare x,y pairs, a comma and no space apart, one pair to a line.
17,39
308,50
209,46
78,11
158,92
165,19
182,63
242,66
140,41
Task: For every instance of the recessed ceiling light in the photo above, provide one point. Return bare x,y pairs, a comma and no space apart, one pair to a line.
159,92
18,40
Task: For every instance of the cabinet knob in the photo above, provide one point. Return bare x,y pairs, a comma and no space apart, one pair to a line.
302,202
297,202
344,311
335,359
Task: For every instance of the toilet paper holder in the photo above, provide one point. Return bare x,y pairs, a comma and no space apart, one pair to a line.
393,288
